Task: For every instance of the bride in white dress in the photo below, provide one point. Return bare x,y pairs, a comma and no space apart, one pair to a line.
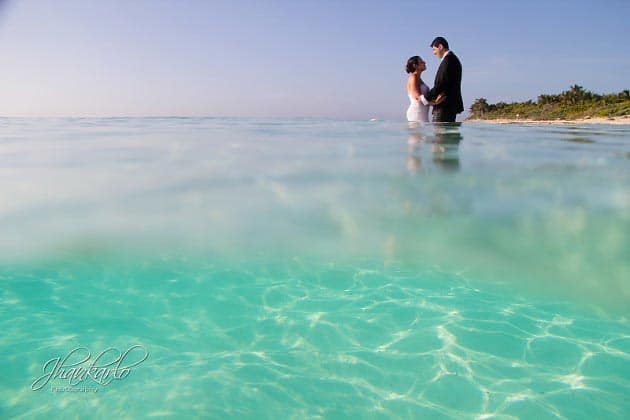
417,111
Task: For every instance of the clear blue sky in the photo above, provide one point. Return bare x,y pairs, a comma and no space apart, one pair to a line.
337,58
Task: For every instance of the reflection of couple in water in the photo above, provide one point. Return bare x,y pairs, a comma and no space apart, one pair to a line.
444,141
446,94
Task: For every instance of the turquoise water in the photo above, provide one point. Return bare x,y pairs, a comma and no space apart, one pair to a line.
315,268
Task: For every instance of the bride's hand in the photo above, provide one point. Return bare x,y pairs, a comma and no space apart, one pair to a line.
440,98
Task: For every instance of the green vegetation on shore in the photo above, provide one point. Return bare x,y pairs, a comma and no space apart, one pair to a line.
569,105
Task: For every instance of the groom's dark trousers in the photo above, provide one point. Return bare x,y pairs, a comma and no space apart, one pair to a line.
443,115
448,81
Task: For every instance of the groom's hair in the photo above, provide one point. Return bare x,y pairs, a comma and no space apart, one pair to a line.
440,41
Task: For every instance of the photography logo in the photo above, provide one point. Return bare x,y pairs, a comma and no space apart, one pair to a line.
80,368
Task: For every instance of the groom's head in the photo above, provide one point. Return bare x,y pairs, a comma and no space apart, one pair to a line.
440,46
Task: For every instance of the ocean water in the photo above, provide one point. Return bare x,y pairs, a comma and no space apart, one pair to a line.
300,268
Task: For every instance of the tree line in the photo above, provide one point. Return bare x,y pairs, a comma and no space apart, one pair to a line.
573,103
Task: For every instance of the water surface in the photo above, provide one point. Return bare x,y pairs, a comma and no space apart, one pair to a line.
317,268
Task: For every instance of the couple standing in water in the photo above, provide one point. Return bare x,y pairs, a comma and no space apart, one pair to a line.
446,94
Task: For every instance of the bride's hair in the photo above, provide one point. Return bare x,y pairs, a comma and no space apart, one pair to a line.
412,63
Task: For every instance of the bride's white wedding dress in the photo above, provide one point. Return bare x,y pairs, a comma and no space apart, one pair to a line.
417,111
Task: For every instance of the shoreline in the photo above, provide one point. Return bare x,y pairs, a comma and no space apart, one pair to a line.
625,120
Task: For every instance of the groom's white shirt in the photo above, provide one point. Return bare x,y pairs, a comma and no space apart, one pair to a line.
424,101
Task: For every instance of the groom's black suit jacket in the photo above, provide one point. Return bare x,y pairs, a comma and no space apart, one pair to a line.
448,81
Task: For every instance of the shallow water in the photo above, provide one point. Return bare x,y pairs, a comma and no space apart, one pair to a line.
316,268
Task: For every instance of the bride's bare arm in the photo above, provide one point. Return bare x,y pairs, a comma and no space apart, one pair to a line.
412,87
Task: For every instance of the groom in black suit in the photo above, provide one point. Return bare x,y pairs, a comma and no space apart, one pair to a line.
448,82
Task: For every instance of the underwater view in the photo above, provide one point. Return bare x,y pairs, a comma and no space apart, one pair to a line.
312,268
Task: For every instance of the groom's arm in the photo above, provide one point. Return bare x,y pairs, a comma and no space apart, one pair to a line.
441,82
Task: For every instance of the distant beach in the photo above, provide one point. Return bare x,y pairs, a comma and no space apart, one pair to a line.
574,106
625,120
